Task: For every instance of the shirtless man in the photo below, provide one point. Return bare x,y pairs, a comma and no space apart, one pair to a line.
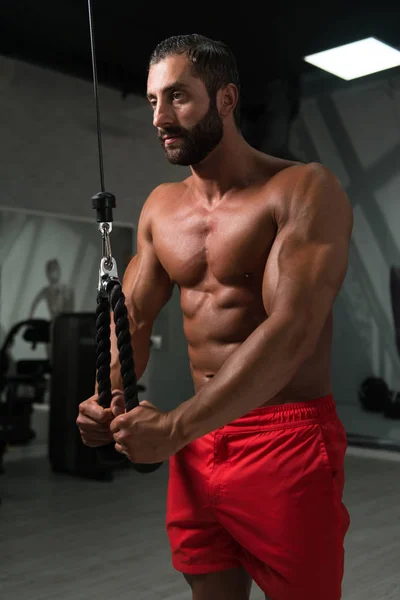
258,247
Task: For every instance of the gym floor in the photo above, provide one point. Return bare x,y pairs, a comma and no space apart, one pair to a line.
64,537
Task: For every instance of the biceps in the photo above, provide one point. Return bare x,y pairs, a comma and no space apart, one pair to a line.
301,280
147,288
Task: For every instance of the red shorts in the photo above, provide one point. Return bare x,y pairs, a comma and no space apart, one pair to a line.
265,493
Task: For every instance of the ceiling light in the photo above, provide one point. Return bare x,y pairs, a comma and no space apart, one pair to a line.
356,59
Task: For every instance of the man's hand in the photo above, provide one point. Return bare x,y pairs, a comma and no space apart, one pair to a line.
145,434
94,421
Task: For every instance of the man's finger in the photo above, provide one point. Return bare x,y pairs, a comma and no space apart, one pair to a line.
117,403
95,412
121,449
89,425
96,442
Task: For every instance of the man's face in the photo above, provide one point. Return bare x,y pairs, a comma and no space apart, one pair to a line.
53,273
188,122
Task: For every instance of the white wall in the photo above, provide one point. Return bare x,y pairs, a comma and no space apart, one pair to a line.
49,162
49,147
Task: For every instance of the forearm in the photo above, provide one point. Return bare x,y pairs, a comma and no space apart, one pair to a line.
261,367
140,340
141,354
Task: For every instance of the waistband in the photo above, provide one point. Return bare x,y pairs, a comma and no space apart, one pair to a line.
294,412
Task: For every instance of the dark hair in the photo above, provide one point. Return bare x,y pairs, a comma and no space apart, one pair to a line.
51,264
212,61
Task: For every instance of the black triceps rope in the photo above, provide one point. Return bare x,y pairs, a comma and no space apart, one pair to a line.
116,299
103,344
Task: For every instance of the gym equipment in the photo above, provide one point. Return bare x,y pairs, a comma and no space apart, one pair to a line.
395,299
35,331
374,394
392,410
22,383
110,296
73,376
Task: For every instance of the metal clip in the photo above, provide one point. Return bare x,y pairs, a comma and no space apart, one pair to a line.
105,230
108,267
107,275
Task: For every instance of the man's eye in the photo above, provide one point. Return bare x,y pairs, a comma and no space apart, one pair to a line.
177,96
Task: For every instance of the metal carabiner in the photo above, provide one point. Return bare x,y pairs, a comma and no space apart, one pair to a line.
108,267
105,230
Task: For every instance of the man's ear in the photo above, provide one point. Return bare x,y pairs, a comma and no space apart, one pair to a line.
227,100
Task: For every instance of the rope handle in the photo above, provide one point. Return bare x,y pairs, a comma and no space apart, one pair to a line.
103,344
116,299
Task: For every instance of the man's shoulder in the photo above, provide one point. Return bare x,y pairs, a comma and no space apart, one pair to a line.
159,198
309,187
167,190
289,177
291,170
292,184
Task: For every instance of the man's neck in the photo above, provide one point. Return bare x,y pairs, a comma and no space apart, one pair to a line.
230,165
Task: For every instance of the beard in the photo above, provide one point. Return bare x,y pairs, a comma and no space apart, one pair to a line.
195,143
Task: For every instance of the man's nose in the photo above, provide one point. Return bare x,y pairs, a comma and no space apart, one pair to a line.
162,116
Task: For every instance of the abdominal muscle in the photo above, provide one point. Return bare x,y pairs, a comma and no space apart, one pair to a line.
213,333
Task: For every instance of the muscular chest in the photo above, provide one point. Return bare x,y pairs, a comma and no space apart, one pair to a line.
226,243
